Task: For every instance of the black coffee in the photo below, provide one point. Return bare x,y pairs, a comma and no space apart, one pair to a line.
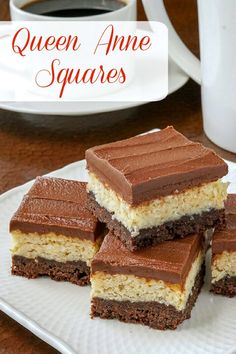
73,8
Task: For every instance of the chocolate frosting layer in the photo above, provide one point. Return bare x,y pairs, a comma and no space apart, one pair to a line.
146,167
226,240
59,206
169,261
230,211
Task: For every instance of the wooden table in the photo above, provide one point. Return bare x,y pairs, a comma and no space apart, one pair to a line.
32,145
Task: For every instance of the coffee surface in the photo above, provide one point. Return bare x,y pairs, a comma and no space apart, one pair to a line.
72,8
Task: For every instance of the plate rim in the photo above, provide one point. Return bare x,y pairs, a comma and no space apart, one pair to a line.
35,328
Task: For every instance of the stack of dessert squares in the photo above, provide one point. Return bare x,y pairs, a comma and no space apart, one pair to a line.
136,231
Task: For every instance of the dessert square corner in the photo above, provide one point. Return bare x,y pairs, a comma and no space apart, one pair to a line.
153,165
156,287
223,264
56,205
156,187
53,233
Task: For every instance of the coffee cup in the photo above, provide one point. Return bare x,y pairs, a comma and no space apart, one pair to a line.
217,71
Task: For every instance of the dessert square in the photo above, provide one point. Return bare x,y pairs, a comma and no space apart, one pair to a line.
157,287
156,187
53,232
223,266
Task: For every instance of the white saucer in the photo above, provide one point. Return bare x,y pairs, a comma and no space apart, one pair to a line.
177,78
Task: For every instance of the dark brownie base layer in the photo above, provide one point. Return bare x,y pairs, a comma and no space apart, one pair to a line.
168,231
225,286
152,314
73,272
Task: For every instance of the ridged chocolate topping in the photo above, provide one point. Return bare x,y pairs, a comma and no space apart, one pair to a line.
226,240
153,165
230,211
169,261
59,206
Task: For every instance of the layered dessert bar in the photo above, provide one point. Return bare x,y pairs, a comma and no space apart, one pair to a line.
156,187
223,267
157,286
53,232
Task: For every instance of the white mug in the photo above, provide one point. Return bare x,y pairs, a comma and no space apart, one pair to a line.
126,13
217,71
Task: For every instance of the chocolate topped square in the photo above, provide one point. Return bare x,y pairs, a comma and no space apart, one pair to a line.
230,211
170,261
156,287
53,232
56,205
157,164
225,240
223,265
156,187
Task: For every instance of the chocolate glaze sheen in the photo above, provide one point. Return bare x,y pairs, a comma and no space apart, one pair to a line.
59,206
230,211
226,240
169,261
146,167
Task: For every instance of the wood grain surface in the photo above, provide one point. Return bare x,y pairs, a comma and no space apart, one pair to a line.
32,145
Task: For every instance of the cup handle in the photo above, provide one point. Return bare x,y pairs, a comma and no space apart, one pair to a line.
179,53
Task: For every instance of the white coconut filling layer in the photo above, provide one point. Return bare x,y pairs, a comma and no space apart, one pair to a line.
121,287
50,246
223,265
159,211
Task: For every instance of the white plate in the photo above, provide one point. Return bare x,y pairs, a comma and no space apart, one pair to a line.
177,78
58,313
